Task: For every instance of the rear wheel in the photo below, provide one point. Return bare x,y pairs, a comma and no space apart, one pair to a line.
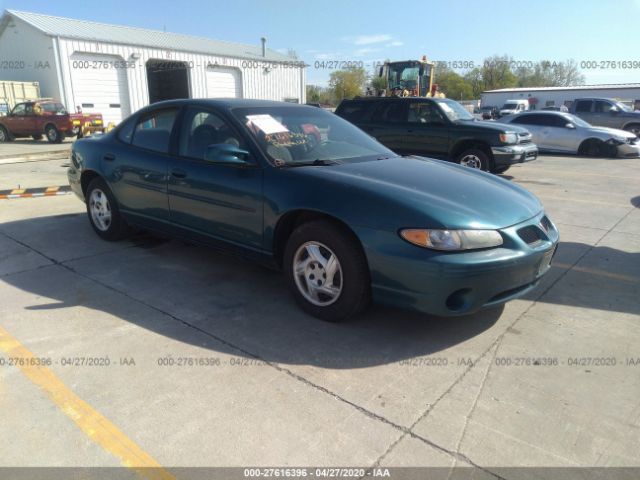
475,158
103,212
4,135
53,134
327,271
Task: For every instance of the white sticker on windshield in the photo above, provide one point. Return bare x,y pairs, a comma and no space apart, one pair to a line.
267,124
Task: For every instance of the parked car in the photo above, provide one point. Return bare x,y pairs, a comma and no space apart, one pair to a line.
440,128
489,113
345,218
48,118
565,133
605,112
512,107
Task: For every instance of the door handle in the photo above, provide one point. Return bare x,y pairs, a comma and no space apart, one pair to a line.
176,172
109,157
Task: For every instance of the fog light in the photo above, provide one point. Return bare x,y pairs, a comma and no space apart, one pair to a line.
459,300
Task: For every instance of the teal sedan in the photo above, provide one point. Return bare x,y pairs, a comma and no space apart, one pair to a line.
300,189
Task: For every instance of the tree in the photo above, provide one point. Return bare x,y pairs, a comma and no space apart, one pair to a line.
347,83
550,74
453,85
317,94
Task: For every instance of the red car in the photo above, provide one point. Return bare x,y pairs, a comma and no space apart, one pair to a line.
47,117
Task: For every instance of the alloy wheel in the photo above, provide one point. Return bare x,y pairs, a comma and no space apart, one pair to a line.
471,161
317,273
100,210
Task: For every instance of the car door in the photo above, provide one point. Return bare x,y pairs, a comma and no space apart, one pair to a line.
17,120
136,164
532,123
553,132
209,196
603,116
427,130
387,124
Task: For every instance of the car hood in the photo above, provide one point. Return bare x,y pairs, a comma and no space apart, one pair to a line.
613,131
494,126
416,191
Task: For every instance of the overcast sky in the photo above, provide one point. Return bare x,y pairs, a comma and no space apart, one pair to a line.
369,31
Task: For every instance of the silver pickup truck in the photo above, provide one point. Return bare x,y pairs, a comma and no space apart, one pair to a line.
606,112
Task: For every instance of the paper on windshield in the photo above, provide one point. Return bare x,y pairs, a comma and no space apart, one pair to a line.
267,124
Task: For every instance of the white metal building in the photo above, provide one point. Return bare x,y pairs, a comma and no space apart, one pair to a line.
115,70
628,93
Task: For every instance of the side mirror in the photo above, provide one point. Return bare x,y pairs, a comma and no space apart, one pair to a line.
570,125
226,153
614,110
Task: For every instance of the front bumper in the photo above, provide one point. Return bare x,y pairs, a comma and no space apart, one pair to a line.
457,283
628,150
511,154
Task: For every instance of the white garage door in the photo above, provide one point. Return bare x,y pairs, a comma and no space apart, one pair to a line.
100,85
224,83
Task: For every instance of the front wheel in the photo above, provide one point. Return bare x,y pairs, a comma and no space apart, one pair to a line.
327,271
475,158
103,212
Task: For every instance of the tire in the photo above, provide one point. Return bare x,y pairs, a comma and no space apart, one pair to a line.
633,128
4,135
53,134
37,137
311,247
597,148
105,218
475,158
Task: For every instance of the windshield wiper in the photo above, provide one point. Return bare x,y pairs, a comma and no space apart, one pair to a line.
316,162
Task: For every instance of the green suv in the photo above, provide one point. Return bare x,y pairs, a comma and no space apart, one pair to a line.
440,128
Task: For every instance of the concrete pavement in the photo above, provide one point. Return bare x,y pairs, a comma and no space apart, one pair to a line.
210,362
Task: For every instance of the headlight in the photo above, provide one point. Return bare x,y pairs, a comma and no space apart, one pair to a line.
509,137
618,140
450,240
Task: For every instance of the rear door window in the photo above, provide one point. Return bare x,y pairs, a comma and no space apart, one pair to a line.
390,112
354,111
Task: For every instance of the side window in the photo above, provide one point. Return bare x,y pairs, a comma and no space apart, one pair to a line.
583,106
389,112
153,130
200,129
526,120
424,113
125,131
28,109
19,110
354,111
602,107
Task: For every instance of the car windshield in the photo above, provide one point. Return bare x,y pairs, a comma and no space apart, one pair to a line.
453,110
486,109
302,135
55,108
509,106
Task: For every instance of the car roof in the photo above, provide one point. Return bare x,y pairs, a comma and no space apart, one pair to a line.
226,103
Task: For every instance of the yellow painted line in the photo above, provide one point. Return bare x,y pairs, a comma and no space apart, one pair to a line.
52,189
18,191
601,273
97,427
